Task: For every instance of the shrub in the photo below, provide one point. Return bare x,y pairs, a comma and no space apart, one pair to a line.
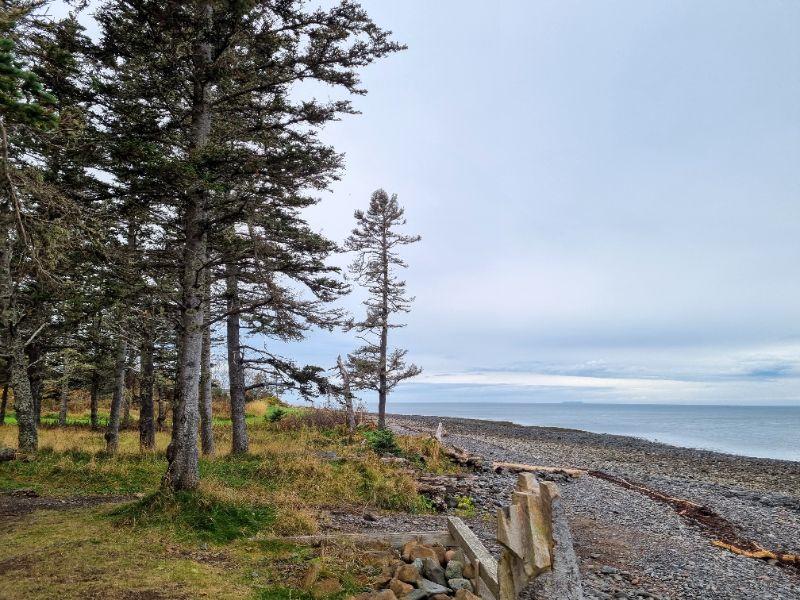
318,418
381,440
275,415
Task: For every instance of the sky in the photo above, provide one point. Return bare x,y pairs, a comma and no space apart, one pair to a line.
608,195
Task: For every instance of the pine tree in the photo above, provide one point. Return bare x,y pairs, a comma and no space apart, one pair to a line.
375,241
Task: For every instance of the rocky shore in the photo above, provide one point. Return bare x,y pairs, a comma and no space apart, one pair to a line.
630,545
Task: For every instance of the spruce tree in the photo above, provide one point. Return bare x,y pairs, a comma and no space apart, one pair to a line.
376,242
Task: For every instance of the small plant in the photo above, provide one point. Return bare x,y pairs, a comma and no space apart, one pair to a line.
381,441
465,506
276,414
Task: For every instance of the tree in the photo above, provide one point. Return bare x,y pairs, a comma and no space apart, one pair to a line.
24,107
376,242
219,77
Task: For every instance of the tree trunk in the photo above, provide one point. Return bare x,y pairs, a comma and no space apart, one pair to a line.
147,434
348,395
384,332
28,438
127,399
206,423
94,392
64,404
3,404
112,432
162,409
35,377
183,472
240,443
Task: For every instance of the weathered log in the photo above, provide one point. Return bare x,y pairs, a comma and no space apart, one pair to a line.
523,468
393,539
476,552
564,580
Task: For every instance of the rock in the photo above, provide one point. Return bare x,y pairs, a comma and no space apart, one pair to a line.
469,571
383,581
432,570
460,584
407,573
311,576
419,564
449,555
415,595
370,517
325,588
431,588
440,597
455,570
465,594
420,551
382,595
400,588
441,551
406,553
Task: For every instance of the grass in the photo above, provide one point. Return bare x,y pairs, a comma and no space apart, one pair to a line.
210,542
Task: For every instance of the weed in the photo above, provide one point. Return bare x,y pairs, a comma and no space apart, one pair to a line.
465,506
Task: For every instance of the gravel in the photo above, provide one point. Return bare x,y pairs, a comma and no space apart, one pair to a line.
630,546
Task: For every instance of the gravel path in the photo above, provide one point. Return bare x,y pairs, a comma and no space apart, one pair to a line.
629,545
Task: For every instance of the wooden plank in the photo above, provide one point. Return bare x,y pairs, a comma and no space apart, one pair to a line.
393,539
466,539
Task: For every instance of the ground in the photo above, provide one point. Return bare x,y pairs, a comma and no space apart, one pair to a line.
77,523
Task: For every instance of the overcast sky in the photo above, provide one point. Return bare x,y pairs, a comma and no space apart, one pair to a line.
608,194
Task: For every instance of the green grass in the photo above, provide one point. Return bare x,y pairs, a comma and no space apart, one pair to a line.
197,515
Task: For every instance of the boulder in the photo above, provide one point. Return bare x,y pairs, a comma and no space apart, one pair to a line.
417,562
455,570
407,573
440,597
400,588
432,570
460,584
416,595
325,587
469,571
441,551
420,551
463,594
449,555
382,595
431,588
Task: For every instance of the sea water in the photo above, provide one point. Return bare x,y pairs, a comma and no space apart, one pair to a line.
760,431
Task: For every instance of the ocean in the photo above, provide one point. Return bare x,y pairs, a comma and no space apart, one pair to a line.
761,431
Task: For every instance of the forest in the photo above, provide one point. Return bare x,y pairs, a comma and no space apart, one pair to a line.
154,187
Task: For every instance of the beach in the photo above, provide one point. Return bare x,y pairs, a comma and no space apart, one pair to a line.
631,545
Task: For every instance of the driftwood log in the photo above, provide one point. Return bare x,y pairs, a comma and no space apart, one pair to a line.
523,468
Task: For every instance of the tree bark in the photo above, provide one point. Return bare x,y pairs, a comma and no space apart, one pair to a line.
162,409
206,417
240,443
3,404
348,395
112,432
127,399
28,437
183,471
64,400
94,392
147,434
36,377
